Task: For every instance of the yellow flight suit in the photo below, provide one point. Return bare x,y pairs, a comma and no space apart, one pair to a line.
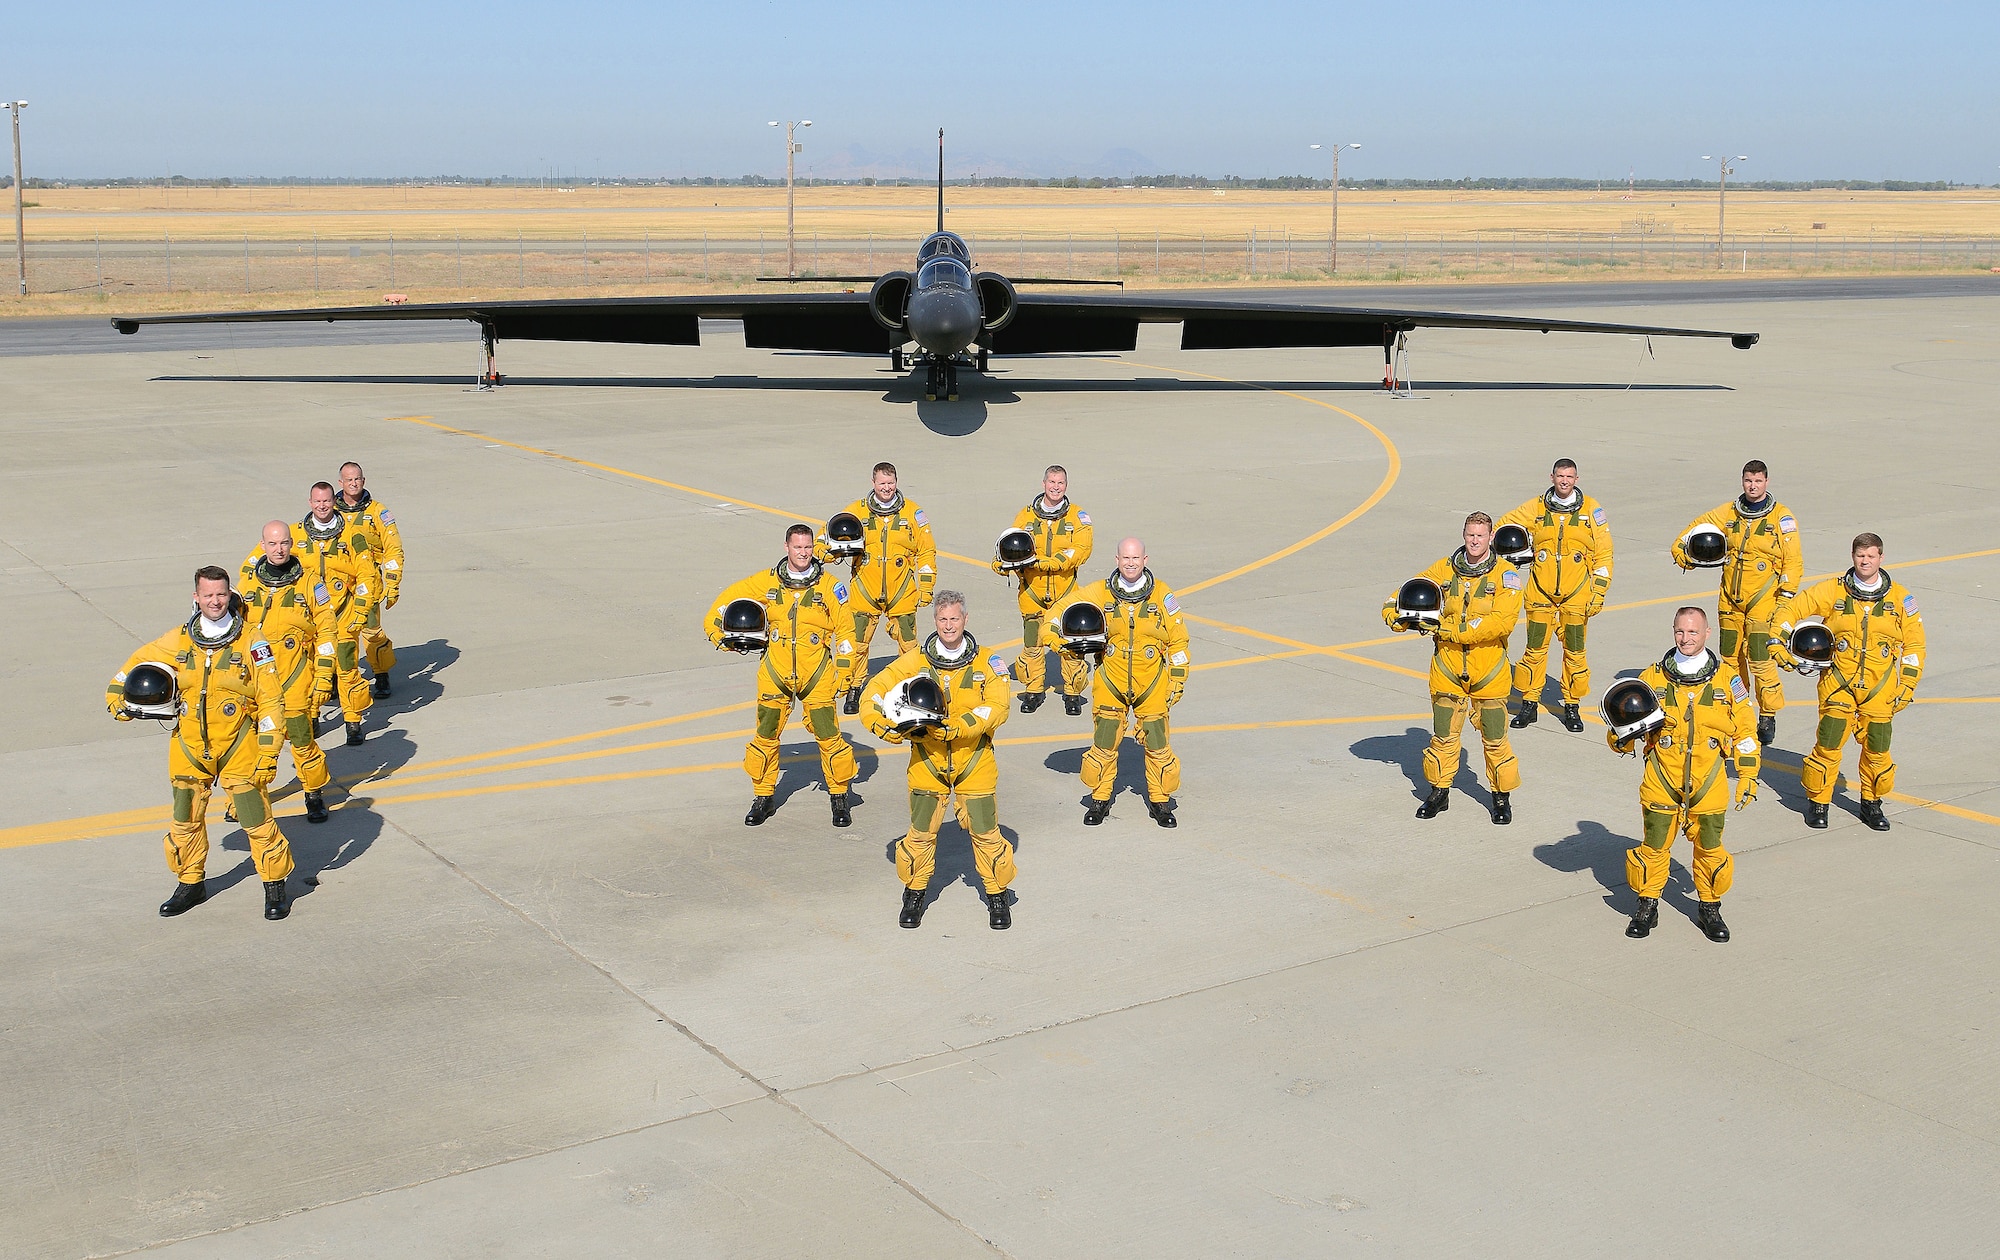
1878,659
1567,582
1469,673
807,622
1062,545
343,563
1762,570
229,736
385,543
1708,724
1144,669
955,760
285,608
893,577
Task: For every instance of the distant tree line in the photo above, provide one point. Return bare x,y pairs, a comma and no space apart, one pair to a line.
1226,182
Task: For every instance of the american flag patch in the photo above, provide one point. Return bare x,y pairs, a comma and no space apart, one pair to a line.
1083,516
1172,605
920,516
999,666
1511,580
1598,516
1736,689
1909,603
1787,525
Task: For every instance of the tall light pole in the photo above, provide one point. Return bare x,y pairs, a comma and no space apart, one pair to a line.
1333,237
792,151
1722,165
20,230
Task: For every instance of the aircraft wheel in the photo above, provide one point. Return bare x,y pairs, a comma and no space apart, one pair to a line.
982,358
896,359
951,382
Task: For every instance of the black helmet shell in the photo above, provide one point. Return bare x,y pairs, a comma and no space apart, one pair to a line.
1513,544
1810,642
1082,621
1706,547
1015,549
149,684
843,527
922,692
1631,708
743,616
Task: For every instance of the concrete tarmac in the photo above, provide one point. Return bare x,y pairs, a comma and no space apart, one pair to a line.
543,993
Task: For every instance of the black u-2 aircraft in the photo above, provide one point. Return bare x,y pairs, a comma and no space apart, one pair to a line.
955,317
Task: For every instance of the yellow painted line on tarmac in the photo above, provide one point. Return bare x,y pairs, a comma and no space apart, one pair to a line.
1381,490
1817,577
1306,648
615,471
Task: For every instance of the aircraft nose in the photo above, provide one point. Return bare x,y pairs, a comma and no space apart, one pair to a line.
943,323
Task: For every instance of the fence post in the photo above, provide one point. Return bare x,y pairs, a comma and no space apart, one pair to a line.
99,242
1156,253
586,258
392,260
1114,252
246,262
170,262
458,252
1202,274
315,263
521,257
1069,253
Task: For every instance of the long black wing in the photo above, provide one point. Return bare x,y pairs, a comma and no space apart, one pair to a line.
1043,323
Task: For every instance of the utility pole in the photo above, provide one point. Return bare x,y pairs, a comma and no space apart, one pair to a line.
792,150
20,230
1725,170
1333,237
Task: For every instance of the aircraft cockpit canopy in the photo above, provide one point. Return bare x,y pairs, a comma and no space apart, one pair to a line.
944,271
945,244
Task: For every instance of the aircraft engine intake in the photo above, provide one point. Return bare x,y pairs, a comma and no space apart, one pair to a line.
889,300
996,300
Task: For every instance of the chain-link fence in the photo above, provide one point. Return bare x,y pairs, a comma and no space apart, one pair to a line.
437,267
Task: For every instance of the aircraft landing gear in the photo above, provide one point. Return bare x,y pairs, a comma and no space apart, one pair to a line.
943,380
982,360
896,359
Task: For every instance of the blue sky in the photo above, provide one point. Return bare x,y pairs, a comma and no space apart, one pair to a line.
1430,89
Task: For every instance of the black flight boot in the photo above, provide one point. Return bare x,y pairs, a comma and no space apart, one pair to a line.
1094,812
1816,815
381,686
1161,812
1073,705
1644,919
276,903
1527,716
761,807
1436,803
1503,809
998,917
354,735
186,897
1708,917
1871,813
315,807
229,811
852,705
842,815
1032,700
913,908
1767,729
1572,720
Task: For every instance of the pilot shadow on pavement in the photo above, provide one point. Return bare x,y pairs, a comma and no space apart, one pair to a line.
799,771
1596,848
1131,774
415,680
1407,751
954,859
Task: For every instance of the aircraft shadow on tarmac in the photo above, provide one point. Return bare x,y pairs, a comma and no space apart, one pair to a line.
1407,752
910,391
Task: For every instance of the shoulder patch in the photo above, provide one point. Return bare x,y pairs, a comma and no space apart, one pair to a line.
1909,603
1737,691
260,653
1787,524
1172,605
1598,516
1512,580
319,592
840,591
1082,517
388,517
920,516
999,666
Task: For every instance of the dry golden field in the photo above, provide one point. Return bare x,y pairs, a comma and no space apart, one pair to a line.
350,213
97,250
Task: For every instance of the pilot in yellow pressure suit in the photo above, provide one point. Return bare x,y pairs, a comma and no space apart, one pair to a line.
1469,675
893,577
1142,674
1062,534
340,559
227,733
1762,570
953,760
1708,723
806,619
1567,583
1878,660
295,616
385,543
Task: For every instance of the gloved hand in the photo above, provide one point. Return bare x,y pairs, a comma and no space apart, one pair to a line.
1389,618
265,772
121,715
1680,556
1781,656
1905,698
1746,791
389,600
1174,693
892,735
1626,747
